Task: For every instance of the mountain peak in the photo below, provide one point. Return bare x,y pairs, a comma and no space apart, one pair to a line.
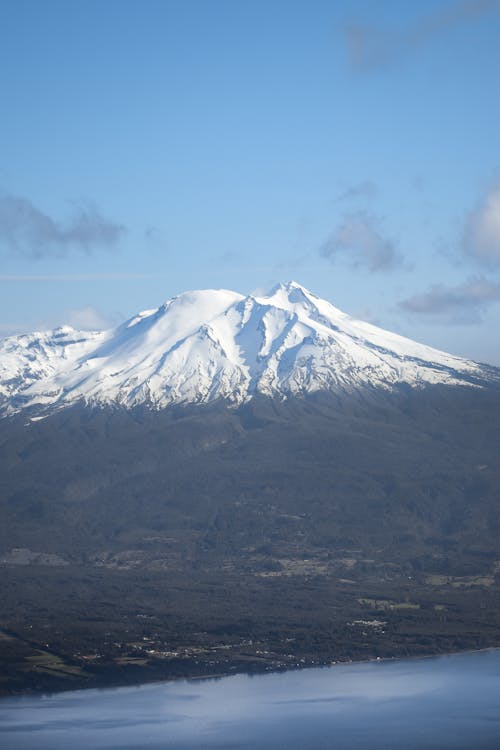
289,287
216,344
291,293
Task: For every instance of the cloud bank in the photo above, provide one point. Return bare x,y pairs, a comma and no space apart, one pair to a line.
25,230
359,240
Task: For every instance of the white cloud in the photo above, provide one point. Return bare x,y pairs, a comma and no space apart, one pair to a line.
88,318
481,239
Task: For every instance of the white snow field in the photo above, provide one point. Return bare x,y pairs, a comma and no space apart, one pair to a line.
216,344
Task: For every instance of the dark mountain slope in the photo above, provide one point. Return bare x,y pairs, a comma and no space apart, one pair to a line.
249,538
421,464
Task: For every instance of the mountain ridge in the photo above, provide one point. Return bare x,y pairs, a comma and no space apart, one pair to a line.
209,345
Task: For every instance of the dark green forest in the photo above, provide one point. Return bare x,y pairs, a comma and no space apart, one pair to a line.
139,545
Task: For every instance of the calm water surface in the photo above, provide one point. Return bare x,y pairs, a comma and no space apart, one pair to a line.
446,702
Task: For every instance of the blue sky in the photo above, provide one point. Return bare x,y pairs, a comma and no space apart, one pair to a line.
152,147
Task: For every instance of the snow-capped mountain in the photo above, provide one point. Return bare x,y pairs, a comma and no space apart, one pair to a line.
216,344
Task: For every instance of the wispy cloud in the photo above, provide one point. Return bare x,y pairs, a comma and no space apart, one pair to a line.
360,241
365,189
372,47
76,277
155,241
26,230
481,237
89,318
229,257
14,329
463,303
86,318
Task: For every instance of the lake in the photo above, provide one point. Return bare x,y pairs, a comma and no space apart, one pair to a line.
443,702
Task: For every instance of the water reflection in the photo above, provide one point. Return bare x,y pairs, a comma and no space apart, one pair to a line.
448,702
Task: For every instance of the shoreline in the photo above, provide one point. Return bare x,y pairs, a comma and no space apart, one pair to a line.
232,671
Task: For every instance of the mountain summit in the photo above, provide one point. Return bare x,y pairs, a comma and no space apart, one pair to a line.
211,345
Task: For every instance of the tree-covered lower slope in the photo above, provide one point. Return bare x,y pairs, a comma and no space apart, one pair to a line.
299,526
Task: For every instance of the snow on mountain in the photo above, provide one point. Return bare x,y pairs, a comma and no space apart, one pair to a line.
217,344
